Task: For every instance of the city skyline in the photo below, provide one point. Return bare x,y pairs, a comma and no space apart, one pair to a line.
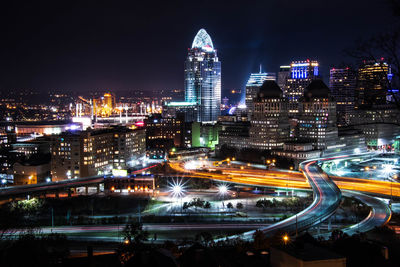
89,47
200,133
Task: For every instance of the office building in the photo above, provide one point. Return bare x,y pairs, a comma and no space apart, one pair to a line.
92,152
233,132
203,78
283,75
372,84
317,117
31,172
188,109
269,122
302,73
253,85
297,152
165,133
379,124
342,82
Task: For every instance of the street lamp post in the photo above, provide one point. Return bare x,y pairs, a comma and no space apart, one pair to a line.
223,189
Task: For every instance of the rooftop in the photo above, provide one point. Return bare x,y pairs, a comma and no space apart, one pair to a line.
317,88
269,89
309,252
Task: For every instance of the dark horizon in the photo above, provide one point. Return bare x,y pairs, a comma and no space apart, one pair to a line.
84,47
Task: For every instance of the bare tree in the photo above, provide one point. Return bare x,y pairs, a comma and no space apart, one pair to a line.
385,45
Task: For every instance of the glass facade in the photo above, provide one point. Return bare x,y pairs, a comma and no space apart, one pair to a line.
203,78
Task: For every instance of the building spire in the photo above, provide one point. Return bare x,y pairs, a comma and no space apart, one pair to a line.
260,69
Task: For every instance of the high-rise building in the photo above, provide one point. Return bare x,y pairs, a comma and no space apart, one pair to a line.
253,85
302,73
372,83
203,77
342,82
283,75
233,133
165,133
77,154
269,122
317,118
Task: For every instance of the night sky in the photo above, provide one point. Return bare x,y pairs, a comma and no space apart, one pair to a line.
128,45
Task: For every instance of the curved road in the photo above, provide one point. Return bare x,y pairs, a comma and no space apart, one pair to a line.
379,215
327,197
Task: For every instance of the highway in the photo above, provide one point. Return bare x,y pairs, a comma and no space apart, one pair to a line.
15,191
43,187
165,231
327,195
379,215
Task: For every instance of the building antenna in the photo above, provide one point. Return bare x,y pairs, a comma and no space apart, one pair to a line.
260,69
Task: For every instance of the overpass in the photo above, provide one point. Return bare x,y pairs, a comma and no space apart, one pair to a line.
54,187
66,186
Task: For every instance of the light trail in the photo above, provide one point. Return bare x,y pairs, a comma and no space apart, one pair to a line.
326,192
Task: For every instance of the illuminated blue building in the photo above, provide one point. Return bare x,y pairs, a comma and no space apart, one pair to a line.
203,78
302,73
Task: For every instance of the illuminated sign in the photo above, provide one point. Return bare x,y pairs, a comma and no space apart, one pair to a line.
139,123
119,173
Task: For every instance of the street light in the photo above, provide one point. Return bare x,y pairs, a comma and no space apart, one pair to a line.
177,188
387,168
223,189
285,239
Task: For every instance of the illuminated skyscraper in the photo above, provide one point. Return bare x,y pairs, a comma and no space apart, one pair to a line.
302,73
203,78
372,84
342,83
254,83
269,121
317,118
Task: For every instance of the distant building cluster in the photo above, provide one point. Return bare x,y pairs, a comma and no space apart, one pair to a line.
300,117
